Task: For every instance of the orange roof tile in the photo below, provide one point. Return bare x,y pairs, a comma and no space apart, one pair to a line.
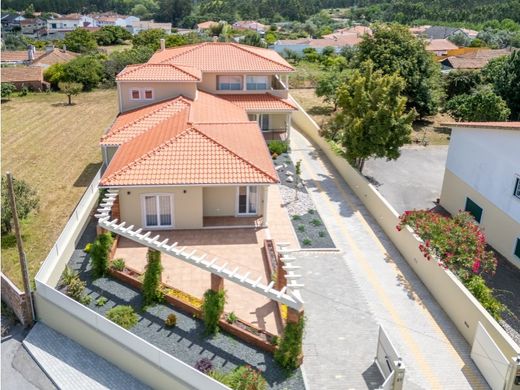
223,57
18,55
21,74
208,108
263,102
131,124
159,72
440,45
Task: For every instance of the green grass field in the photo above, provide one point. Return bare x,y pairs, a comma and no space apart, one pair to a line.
55,149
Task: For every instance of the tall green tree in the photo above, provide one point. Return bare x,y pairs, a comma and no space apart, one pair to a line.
80,40
372,118
458,82
151,38
152,277
27,200
481,105
252,38
100,253
86,70
173,10
392,48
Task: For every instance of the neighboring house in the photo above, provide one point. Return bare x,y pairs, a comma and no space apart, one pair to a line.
54,56
441,32
418,30
482,176
440,47
359,31
11,22
35,26
250,25
205,26
24,76
187,145
20,57
30,56
298,45
134,27
70,22
476,59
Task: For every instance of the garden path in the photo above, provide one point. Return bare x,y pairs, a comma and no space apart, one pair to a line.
369,284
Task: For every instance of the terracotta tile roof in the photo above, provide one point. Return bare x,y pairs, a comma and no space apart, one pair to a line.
223,57
21,74
440,45
131,124
159,72
358,30
474,60
337,41
18,55
206,25
494,125
56,56
263,102
208,108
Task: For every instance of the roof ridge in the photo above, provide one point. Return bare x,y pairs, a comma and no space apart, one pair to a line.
193,48
158,109
241,47
235,154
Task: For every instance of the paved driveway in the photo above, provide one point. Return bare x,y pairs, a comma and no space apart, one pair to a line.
414,180
369,284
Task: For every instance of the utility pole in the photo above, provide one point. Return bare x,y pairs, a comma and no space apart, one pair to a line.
21,253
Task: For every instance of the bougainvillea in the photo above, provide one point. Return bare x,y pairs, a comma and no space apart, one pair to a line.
457,242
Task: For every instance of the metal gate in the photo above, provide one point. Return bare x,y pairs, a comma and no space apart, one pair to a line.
500,372
389,362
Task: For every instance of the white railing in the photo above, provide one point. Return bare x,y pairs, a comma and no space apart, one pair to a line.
129,341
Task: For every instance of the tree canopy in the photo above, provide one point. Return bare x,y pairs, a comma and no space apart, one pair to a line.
27,200
80,40
481,105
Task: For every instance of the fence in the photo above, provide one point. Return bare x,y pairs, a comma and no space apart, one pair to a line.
132,354
458,303
15,299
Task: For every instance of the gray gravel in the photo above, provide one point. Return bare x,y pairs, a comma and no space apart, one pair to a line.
306,220
186,341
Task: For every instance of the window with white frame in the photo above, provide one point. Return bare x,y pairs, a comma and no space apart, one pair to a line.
135,94
141,94
516,192
229,83
256,83
247,199
157,211
148,94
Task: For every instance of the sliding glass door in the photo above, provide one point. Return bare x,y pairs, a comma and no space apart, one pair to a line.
157,211
247,200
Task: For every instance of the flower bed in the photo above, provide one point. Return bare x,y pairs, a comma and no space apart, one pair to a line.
459,245
306,220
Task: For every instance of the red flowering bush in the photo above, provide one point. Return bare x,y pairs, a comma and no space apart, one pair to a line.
459,245
456,242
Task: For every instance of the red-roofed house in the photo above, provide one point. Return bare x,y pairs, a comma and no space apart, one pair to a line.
189,143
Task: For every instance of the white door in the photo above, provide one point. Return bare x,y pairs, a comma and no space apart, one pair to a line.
247,200
157,211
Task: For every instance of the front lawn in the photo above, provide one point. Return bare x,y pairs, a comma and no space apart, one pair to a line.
55,149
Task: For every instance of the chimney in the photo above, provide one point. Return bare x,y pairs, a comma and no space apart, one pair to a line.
30,53
49,48
163,44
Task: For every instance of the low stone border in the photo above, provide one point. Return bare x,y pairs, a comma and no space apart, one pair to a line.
231,328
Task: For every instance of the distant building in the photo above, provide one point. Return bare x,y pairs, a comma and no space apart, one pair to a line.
30,77
136,26
40,58
442,32
440,47
298,45
476,59
34,26
482,177
251,25
204,26
69,23
11,22
359,31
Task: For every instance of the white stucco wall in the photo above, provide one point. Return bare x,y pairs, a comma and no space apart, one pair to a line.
488,160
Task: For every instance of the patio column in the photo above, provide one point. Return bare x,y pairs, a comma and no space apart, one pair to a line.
293,315
116,213
265,207
217,283
288,123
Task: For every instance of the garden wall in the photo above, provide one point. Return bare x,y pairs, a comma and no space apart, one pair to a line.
458,303
122,348
15,299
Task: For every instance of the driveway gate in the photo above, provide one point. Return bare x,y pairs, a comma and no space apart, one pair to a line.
389,363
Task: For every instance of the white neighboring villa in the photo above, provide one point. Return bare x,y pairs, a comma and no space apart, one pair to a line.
69,23
483,177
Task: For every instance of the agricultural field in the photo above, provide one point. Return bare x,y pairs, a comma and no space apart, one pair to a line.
53,147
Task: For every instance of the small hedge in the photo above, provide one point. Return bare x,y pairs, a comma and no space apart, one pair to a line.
290,346
278,147
241,378
152,278
99,254
212,309
123,316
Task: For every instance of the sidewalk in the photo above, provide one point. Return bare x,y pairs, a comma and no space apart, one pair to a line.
371,284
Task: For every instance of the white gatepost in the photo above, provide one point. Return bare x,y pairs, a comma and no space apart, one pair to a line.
389,363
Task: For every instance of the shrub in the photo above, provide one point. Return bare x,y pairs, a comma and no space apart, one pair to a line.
152,278
212,309
80,40
219,376
278,147
23,91
306,241
88,248
246,378
204,365
68,275
321,233
311,211
123,316
7,90
301,228
101,301
99,253
27,200
118,264
54,74
274,340
296,217
290,345
75,289
170,321
481,104
231,318
85,299
477,286
316,222
86,70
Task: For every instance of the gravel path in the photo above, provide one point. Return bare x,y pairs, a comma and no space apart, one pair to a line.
186,341
308,225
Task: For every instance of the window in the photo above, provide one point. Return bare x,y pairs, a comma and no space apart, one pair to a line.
247,200
229,83
263,122
157,211
255,83
148,94
135,94
474,209
517,248
516,192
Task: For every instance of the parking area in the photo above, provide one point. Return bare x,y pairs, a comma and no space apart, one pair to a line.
414,180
